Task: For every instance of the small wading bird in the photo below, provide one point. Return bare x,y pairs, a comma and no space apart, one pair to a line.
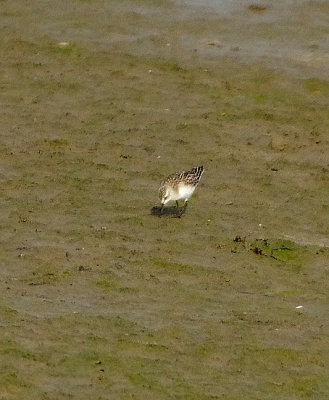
179,186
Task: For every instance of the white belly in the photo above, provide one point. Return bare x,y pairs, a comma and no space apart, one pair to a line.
185,191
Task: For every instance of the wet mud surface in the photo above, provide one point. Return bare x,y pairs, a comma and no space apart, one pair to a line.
101,296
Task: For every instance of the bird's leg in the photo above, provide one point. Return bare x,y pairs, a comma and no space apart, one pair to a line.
162,205
178,213
183,209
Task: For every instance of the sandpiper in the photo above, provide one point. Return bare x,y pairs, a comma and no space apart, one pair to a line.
180,186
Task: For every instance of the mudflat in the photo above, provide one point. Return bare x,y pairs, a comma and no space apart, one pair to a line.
100,297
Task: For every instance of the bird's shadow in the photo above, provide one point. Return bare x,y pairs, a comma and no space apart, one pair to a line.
172,211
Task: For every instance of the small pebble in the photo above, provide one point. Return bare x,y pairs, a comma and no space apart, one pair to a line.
83,268
277,143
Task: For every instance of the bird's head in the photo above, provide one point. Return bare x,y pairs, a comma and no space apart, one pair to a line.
164,195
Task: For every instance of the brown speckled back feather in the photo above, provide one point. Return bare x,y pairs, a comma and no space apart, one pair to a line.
191,177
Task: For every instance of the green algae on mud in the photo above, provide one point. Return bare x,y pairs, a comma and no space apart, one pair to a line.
285,251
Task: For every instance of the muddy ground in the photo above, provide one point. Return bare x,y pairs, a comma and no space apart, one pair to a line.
101,299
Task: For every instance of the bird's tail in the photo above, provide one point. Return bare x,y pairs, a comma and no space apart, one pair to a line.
199,171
